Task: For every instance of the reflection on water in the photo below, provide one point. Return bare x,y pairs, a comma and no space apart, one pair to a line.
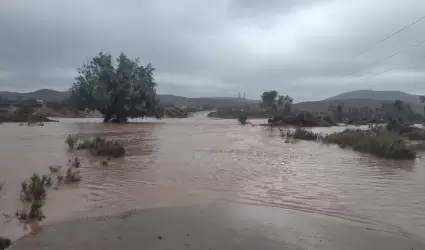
183,161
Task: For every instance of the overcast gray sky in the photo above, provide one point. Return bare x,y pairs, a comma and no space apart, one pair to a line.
218,48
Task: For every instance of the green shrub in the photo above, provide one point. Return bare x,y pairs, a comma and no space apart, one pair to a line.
243,119
33,191
34,188
348,137
101,147
71,140
109,148
86,144
72,176
36,214
380,143
303,134
4,243
171,111
47,180
76,163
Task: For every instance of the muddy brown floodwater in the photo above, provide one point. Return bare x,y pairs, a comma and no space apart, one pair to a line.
177,162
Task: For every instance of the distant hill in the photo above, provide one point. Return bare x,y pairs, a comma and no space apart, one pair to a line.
179,101
359,98
214,102
42,94
376,95
323,106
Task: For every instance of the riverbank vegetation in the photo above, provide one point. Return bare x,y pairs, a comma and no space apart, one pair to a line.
365,115
302,119
33,194
279,112
171,111
23,111
301,134
381,142
97,146
34,191
378,140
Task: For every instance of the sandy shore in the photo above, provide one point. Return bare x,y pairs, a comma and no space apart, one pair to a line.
215,226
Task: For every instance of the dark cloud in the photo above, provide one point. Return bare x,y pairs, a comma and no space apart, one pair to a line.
204,48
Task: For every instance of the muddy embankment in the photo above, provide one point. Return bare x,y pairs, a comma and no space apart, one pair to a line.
215,226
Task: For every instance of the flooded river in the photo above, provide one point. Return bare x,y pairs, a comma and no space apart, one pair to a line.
176,162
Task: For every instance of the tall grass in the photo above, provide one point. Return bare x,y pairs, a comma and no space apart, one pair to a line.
380,143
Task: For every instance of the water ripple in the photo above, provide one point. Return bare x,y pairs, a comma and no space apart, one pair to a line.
178,161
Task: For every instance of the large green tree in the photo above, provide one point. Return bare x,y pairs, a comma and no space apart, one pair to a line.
119,91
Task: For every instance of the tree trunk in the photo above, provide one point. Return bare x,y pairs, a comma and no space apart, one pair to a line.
107,118
119,120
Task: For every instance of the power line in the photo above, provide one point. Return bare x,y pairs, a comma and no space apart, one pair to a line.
388,37
383,40
386,58
385,71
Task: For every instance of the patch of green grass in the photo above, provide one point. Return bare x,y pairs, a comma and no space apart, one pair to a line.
380,143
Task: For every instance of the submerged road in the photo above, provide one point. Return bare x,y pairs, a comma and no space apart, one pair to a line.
215,226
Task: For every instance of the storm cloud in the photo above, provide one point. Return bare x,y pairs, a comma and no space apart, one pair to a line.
303,48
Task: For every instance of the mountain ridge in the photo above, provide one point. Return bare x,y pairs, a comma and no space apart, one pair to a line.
41,94
53,95
359,98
